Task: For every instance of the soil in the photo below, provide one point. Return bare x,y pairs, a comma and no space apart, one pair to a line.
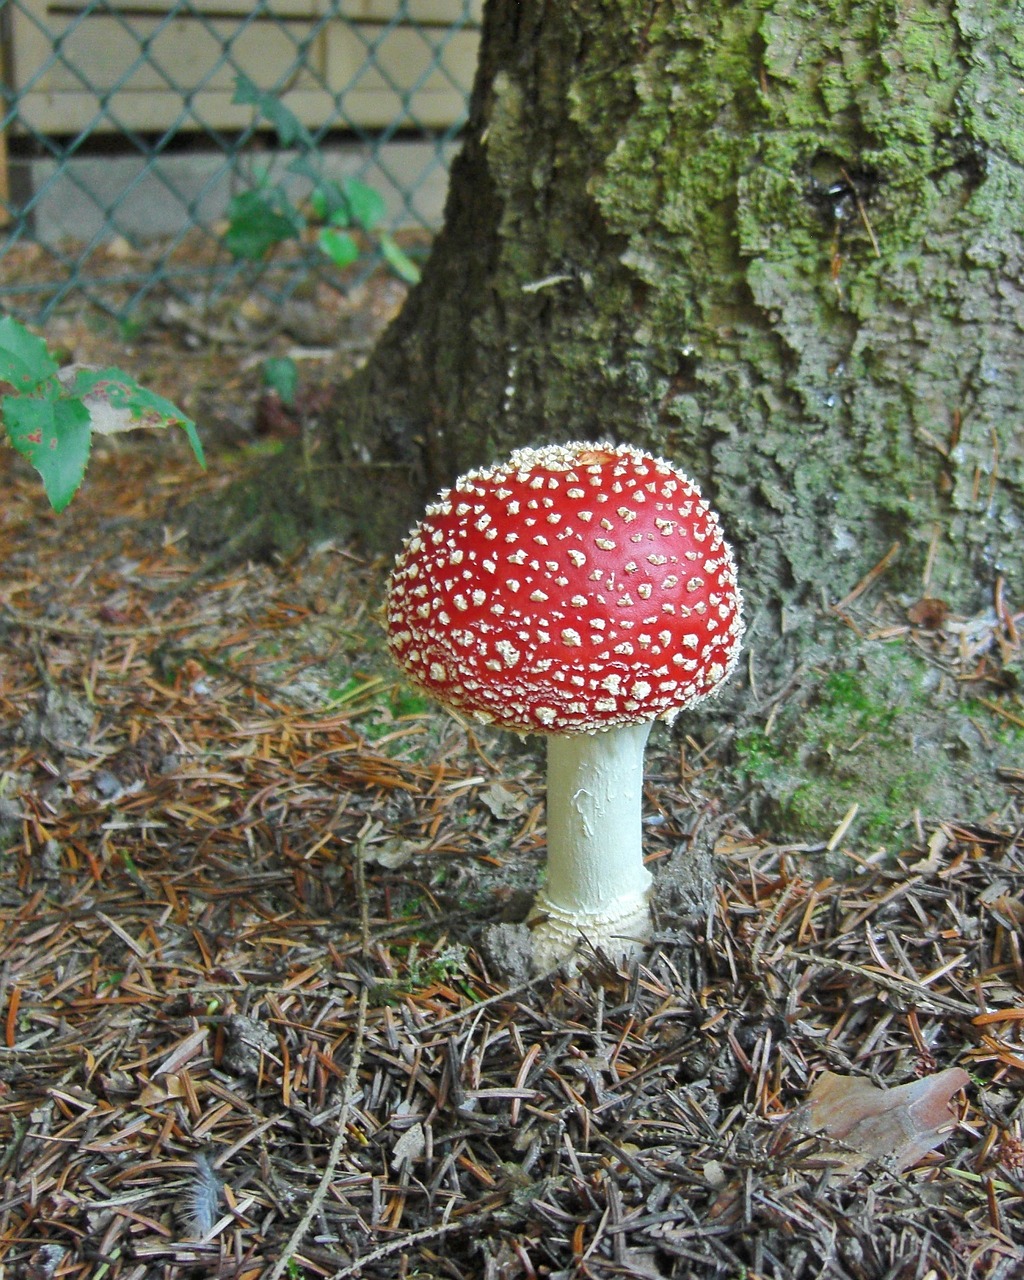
256,1013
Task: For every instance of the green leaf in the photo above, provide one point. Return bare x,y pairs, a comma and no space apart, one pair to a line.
398,260
318,204
255,225
368,206
195,444
114,402
281,374
338,246
330,204
288,127
55,436
25,361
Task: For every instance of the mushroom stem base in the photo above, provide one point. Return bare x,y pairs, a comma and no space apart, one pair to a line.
562,937
598,889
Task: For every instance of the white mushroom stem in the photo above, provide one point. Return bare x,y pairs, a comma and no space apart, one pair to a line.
598,889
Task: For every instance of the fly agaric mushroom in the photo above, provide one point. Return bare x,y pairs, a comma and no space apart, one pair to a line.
580,591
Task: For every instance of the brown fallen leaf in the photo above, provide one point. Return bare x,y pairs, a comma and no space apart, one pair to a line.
503,804
928,613
867,1123
156,1094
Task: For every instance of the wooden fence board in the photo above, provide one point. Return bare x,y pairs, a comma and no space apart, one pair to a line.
145,73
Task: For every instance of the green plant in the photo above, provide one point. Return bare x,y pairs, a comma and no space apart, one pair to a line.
408,702
281,374
345,214
51,412
441,964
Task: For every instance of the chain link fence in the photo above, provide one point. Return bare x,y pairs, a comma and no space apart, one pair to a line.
123,137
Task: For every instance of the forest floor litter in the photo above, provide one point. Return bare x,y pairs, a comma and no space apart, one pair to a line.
253,1019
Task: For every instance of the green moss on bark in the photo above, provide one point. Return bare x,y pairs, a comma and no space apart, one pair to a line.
797,187
879,736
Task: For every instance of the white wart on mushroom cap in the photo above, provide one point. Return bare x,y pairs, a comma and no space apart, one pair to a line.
572,588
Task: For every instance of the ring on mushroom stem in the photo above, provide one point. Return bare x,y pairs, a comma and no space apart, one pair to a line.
580,591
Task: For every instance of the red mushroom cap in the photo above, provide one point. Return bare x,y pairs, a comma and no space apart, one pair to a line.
572,588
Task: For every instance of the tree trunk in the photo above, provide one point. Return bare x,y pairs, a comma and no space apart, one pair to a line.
776,242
